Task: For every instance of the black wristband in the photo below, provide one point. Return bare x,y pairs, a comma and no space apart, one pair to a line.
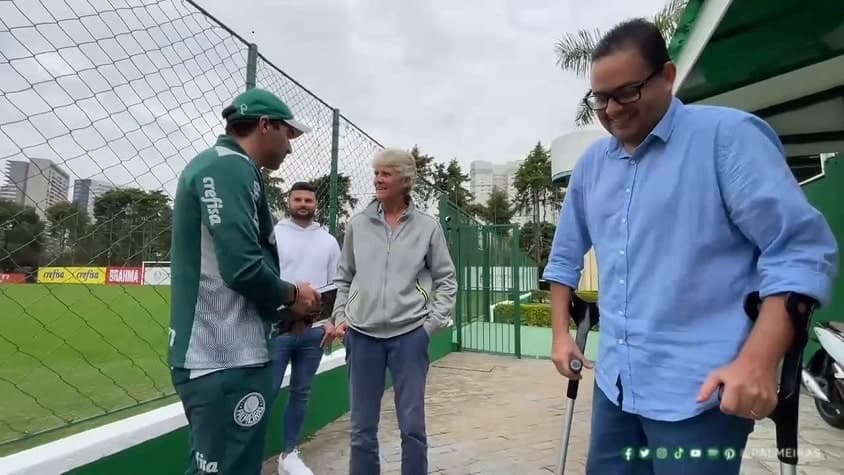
295,296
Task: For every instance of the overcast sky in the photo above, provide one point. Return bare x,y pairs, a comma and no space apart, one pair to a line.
471,79
127,93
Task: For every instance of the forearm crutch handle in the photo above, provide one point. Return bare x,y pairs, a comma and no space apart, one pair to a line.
785,415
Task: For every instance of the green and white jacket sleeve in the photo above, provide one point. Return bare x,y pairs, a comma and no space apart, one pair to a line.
228,202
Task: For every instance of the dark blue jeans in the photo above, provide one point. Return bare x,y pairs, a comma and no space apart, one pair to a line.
304,354
367,360
617,437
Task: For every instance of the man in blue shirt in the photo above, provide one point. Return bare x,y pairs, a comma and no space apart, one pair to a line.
689,209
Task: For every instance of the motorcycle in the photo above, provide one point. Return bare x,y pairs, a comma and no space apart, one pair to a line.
823,376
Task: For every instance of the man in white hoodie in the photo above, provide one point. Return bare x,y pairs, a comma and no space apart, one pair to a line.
306,253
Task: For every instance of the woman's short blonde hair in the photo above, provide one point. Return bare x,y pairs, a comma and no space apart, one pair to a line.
400,160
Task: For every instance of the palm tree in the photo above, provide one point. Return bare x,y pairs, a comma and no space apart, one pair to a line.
574,51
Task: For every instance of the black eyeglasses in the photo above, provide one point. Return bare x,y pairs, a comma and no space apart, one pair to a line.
625,95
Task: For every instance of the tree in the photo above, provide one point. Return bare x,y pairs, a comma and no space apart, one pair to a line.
497,209
425,176
536,239
534,189
276,197
424,164
345,201
574,50
68,225
21,236
132,226
535,193
451,179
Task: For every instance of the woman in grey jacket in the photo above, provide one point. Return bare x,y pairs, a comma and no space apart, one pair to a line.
396,287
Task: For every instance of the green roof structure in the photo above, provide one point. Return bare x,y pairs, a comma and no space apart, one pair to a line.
782,60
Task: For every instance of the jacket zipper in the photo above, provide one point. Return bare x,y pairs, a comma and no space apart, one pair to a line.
386,274
390,235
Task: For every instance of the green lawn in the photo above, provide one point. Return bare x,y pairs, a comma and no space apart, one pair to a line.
75,356
72,352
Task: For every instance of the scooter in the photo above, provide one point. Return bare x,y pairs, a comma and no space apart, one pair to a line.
823,377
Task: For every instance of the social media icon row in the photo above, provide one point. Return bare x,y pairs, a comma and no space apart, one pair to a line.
678,453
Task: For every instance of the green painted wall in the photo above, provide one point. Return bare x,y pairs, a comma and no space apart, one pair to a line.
168,454
825,195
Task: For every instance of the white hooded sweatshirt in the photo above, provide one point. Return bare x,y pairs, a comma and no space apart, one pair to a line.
306,254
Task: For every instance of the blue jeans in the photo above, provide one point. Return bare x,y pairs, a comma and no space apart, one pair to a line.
367,360
614,432
304,354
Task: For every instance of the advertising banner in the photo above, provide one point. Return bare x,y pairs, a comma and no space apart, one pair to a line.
157,275
72,275
125,275
12,278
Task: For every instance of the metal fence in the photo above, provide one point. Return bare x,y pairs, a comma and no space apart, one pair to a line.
494,278
101,106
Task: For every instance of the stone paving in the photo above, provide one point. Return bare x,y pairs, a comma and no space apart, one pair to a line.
500,415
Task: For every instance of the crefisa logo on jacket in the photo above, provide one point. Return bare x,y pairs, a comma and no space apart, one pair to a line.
250,409
206,466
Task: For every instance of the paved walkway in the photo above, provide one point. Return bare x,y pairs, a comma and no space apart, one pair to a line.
498,415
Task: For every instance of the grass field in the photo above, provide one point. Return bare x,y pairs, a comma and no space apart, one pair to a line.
76,356
72,352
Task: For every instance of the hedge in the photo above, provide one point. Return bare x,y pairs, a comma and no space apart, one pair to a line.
533,314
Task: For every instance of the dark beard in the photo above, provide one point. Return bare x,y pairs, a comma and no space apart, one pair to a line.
309,216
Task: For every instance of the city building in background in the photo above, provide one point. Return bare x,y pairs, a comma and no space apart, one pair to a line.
86,191
38,183
485,176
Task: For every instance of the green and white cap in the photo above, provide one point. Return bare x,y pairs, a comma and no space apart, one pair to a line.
256,103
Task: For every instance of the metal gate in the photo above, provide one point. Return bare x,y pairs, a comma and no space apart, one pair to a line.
494,278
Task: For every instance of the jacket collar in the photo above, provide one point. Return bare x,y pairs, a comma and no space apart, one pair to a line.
375,211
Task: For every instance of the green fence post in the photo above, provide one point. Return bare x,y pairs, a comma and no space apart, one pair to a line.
451,228
333,194
461,285
487,282
516,289
442,208
251,66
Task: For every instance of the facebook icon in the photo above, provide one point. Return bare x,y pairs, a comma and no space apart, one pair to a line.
627,453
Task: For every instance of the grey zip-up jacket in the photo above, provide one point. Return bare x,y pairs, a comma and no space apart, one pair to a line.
389,283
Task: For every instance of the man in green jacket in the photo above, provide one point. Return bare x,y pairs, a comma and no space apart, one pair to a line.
225,286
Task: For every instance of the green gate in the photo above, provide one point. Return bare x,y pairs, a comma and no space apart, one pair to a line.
494,279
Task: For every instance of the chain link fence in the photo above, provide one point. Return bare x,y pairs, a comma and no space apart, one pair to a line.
102,103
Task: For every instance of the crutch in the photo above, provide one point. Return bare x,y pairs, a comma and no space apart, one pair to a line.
585,317
785,415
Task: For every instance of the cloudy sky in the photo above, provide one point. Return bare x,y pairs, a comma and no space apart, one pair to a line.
471,79
128,92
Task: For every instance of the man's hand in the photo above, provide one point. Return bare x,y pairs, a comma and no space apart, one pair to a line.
340,331
328,337
749,388
563,350
307,301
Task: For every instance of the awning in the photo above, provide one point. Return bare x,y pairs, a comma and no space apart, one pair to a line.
567,149
783,60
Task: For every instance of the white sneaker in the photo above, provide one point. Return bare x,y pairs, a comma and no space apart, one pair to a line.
293,465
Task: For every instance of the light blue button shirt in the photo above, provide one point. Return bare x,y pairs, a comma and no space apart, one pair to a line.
704,212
